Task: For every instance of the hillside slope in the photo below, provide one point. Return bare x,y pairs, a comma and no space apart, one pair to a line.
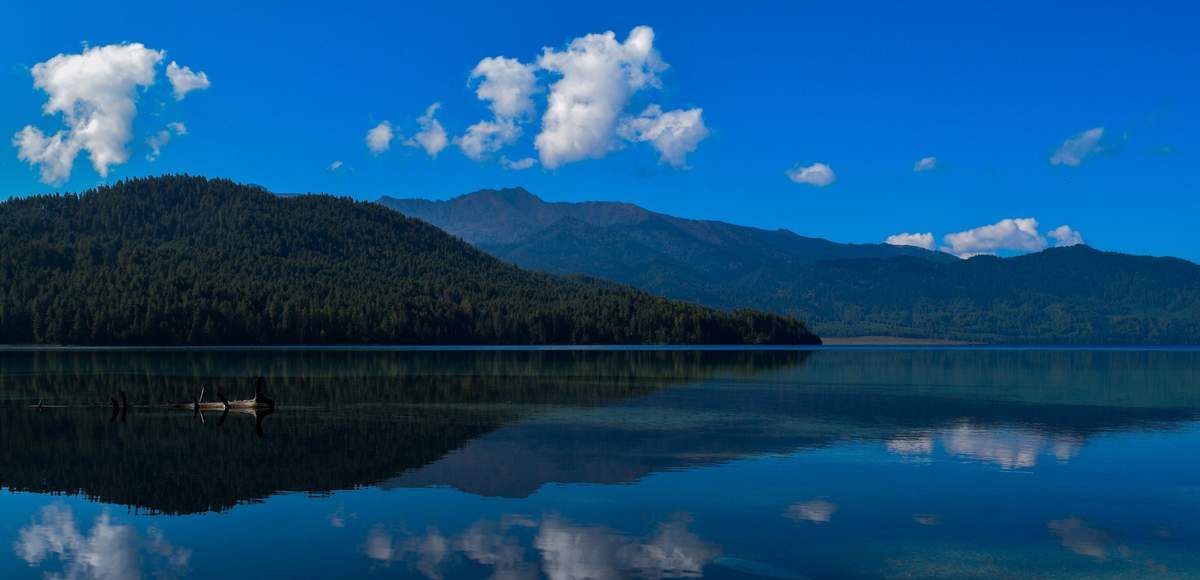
1067,295
710,262
191,261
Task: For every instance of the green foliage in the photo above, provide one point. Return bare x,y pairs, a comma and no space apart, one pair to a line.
182,260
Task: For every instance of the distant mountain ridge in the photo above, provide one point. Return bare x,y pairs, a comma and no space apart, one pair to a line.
1070,295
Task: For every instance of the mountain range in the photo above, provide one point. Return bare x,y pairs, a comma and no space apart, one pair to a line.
1060,295
180,260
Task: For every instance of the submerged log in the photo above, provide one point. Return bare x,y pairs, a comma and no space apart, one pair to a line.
260,402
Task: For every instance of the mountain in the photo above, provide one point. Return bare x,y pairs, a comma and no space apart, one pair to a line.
1061,295
709,262
190,261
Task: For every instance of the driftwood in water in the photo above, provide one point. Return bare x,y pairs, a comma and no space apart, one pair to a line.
260,402
259,407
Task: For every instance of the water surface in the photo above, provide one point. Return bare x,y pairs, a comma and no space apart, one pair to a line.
859,463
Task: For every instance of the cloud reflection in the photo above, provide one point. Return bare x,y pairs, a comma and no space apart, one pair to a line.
1077,536
107,551
1009,448
818,511
517,547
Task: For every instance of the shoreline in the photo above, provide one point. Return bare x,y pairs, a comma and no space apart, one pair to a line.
896,341
831,344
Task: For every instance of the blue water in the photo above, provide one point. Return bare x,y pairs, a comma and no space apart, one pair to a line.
833,463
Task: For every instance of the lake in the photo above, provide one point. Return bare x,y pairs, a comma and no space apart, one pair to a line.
825,463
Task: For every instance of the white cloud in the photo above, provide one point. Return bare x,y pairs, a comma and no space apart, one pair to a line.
519,164
598,75
1065,236
156,142
184,81
432,136
817,511
379,138
1020,234
336,165
95,92
508,85
673,134
817,174
486,137
924,240
1011,235
1073,151
160,139
55,153
925,164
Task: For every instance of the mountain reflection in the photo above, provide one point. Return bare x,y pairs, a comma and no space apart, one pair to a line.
508,423
345,418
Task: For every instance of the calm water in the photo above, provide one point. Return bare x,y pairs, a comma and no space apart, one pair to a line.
604,464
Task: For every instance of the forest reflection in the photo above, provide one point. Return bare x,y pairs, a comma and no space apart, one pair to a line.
498,423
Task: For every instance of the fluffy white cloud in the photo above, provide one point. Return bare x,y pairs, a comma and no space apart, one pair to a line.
519,164
184,81
1012,235
160,139
1065,236
924,240
507,84
673,134
598,75
379,138
55,153
336,165
1020,234
1072,152
817,174
925,164
486,137
95,92
432,136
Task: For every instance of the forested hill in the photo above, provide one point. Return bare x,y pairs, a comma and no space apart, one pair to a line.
1061,295
184,260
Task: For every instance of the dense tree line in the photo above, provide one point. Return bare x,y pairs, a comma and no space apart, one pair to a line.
185,260
1062,295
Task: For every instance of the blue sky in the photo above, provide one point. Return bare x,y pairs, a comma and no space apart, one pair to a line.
867,89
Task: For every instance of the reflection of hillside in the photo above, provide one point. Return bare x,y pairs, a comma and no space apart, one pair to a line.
346,419
1030,404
